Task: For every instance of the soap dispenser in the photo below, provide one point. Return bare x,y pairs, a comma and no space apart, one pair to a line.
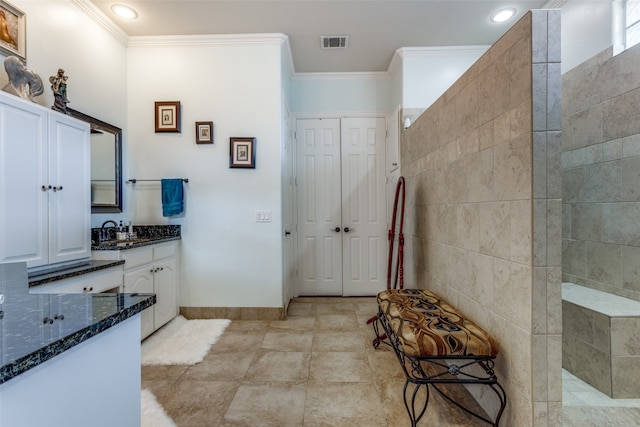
121,234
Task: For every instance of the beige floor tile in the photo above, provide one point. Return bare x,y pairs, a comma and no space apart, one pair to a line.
342,307
220,366
280,366
153,372
287,341
293,324
198,403
250,377
248,325
237,342
338,341
340,367
336,322
267,405
301,309
343,404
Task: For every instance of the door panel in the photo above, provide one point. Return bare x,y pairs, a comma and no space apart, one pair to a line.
363,205
319,245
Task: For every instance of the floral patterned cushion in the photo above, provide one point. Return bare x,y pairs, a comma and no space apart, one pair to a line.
428,326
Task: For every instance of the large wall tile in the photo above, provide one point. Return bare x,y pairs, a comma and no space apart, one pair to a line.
603,182
604,263
582,128
477,170
620,115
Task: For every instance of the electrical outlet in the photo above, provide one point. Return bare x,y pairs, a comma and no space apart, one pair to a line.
263,216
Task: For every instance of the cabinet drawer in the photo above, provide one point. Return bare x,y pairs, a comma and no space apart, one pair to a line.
164,250
96,282
137,257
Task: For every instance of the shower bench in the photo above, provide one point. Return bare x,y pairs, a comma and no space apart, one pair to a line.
435,345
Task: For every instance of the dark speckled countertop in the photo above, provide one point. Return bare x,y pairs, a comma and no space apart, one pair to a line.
37,327
47,276
146,235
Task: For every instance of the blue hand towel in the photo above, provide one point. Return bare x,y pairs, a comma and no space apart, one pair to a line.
172,197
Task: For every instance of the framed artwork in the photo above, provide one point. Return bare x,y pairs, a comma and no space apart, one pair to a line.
168,116
204,132
13,31
242,153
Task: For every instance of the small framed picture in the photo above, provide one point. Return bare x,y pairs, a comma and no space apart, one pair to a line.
204,132
242,153
168,116
13,31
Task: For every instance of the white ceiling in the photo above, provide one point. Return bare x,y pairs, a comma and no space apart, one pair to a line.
376,29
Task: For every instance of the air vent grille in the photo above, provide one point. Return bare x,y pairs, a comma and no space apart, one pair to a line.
334,42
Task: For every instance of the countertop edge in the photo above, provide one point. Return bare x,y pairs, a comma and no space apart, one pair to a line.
98,247
49,351
62,274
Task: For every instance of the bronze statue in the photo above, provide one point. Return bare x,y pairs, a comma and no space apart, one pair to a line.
59,88
22,81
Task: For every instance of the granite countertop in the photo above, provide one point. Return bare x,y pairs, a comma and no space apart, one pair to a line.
121,245
37,327
145,235
47,276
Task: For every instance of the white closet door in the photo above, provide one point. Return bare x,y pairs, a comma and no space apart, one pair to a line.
319,216
341,206
363,206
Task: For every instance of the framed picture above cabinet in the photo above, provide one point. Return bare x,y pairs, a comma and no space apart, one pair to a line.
13,31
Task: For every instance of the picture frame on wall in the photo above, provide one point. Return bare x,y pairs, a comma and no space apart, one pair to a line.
167,116
13,31
204,132
242,153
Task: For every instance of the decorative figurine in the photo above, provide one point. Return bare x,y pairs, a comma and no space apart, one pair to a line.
59,88
22,81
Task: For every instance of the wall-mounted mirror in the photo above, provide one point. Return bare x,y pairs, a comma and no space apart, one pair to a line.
106,164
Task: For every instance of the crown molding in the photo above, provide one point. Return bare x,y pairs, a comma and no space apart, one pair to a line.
208,40
101,19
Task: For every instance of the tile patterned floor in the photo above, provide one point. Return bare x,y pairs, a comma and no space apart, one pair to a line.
317,368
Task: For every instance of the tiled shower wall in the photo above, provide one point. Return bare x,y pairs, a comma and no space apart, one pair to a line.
483,214
601,173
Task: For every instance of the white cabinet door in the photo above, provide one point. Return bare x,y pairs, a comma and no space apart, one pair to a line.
70,196
23,172
45,208
140,281
164,284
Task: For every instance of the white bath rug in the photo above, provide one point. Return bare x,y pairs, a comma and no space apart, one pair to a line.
153,414
182,341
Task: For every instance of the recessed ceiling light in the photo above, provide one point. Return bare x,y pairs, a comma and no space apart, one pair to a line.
503,15
124,11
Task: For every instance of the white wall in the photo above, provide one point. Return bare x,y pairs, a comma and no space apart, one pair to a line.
428,72
586,30
340,92
227,260
62,35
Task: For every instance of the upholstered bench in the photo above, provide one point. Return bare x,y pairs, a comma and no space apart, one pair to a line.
435,345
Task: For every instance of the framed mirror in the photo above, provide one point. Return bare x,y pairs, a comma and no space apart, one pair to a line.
106,164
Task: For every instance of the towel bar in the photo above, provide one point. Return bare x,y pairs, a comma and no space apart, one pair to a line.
133,180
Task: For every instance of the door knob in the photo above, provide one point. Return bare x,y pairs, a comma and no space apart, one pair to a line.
337,229
347,229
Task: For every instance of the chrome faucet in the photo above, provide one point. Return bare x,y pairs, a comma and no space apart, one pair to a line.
104,233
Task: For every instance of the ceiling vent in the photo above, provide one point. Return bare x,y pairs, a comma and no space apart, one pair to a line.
334,42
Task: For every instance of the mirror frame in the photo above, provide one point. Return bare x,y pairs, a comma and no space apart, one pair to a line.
99,125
